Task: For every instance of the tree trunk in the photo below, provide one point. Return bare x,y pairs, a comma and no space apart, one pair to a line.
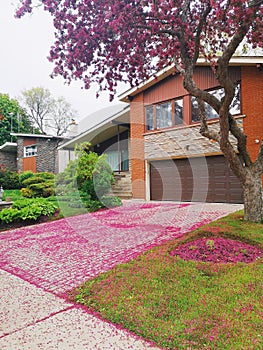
253,204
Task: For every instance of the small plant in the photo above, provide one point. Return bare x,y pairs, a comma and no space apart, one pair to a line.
210,243
27,193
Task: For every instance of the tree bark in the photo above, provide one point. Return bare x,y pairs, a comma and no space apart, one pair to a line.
253,204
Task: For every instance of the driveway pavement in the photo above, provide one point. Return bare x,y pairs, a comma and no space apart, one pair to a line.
39,264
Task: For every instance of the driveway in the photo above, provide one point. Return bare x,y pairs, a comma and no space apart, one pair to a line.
39,264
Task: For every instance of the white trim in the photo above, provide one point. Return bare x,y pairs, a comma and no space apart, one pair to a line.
147,181
34,151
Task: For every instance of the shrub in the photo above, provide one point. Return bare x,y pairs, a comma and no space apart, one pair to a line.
111,201
32,180
27,193
25,175
9,179
38,185
27,210
102,177
8,215
46,175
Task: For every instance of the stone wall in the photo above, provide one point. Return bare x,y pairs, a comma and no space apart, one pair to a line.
181,142
47,155
8,160
20,154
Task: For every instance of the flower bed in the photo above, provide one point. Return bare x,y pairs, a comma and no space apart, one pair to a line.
217,250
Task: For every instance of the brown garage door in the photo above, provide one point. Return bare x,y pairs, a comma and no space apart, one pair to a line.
205,179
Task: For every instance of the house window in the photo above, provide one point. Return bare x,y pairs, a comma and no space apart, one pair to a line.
178,111
164,115
30,151
149,118
118,161
210,112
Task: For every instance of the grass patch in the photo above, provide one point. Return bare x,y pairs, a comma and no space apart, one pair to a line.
13,194
182,304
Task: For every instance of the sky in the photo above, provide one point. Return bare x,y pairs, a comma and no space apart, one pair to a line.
24,47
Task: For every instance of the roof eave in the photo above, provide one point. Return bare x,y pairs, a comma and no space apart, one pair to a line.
128,95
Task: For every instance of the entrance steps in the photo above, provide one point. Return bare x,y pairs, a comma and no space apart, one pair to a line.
122,186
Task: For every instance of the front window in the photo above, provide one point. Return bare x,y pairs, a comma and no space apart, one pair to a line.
210,112
164,115
30,151
149,117
178,111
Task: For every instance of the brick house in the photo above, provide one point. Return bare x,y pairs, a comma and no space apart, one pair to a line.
35,152
170,160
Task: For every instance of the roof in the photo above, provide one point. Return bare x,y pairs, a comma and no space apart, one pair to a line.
105,128
167,71
38,136
8,147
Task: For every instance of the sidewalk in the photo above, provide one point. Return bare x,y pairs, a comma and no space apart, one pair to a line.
39,264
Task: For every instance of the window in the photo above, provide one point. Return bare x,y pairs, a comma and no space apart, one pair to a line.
149,118
178,111
164,115
30,151
210,112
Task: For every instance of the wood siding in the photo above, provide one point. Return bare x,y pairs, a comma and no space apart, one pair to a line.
172,86
30,163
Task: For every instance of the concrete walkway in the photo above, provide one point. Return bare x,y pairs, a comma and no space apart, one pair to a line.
39,264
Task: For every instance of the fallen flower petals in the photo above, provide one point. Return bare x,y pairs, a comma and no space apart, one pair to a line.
217,250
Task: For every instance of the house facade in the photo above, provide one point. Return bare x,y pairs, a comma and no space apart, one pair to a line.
169,159
35,152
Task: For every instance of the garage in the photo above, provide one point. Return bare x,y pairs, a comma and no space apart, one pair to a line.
201,179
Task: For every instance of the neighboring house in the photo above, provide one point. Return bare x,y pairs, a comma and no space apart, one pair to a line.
167,157
8,156
35,152
108,133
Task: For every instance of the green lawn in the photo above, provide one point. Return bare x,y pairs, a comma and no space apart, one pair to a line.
12,194
182,304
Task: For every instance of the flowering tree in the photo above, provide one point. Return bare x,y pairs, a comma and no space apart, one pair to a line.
107,41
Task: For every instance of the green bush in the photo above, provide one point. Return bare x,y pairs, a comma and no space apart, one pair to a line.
25,175
32,180
26,192
9,179
111,201
46,175
38,185
28,210
8,215
66,181
86,181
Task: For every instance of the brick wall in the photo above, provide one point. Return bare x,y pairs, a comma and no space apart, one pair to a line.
137,147
252,107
